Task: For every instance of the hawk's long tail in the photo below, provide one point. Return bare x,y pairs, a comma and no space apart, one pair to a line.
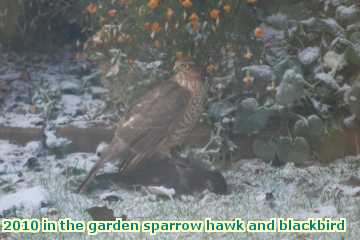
113,152
92,174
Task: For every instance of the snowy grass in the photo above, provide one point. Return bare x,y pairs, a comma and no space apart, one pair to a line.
258,191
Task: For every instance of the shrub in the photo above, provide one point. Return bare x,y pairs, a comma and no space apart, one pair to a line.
24,23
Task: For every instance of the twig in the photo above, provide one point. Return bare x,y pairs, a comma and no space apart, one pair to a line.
213,137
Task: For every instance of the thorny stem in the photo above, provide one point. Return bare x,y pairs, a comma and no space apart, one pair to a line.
48,100
312,86
357,144
213,137
343,40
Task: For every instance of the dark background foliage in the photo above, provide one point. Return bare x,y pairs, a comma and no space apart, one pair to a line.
283,75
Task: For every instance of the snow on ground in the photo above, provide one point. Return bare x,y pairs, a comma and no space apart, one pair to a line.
36,183
14,157
30,198
258,191
20,120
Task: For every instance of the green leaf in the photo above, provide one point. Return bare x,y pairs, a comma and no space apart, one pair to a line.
301,127
251,118
250,104
353,99
311,128
291,88
283,148
264,150
300,151
296,151
219,110
316,126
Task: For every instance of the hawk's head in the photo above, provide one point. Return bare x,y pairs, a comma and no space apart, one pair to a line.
188,75
183,65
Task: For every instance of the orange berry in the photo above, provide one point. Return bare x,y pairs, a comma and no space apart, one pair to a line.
259,32
248,80
186,3
169,13
194,17
92,8
147,26
227,8
111,12
215,13
252,2
155,27
152,4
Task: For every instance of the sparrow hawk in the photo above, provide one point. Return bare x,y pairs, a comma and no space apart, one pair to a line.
158,122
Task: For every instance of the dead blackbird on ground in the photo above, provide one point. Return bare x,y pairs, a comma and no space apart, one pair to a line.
185,176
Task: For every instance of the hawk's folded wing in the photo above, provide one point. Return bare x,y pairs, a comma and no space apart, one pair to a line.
150,121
